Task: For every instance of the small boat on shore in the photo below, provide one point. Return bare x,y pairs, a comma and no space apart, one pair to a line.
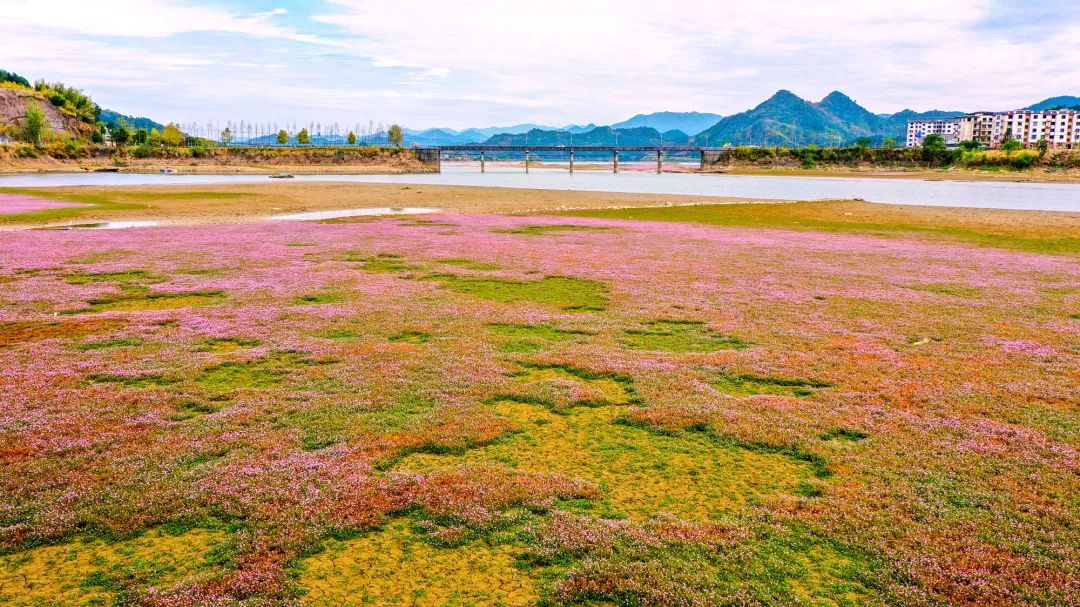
107,170
282,176
167,170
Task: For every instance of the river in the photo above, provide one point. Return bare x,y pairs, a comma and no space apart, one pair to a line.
985,194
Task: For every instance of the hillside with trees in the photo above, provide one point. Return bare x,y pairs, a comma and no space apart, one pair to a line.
603,135
788,120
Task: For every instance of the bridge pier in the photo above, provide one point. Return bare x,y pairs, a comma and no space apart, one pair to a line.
482,161
614,161
571,161
659,161
526,161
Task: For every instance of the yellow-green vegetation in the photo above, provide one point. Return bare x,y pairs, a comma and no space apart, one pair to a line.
956,290
984,227
531,338
393,567
565,292
134,301
541,229
106,201
253,374
469,264
96,572
679,336
321,297
383,262
748,384
132,381
122,277
572,427
108,344
410,337
34,330
221,345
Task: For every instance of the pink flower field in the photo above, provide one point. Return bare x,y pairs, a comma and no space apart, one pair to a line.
513,410
11,204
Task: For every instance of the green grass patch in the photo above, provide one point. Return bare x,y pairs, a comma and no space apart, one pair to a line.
545,384
386,263
265,372
123,277
400,414
93,202
565,292
848,435
956,290
527,339
469,264
519,347
680,336
190,409
225,344
747,384
546,332
141,301
108,201
322,297
341,333
108,344
541,229
131,381
410,337
846,216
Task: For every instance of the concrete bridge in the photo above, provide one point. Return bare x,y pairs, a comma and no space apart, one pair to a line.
435,154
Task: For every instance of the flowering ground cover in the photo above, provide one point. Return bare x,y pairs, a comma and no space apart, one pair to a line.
14,204
507,410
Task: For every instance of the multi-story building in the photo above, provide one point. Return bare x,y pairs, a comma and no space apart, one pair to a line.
1060,128
917,130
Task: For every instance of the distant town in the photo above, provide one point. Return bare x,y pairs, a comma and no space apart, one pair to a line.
1060,129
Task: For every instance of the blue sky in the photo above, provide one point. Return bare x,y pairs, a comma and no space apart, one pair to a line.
496,62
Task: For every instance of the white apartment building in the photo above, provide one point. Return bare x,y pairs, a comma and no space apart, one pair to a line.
917,130
1060,128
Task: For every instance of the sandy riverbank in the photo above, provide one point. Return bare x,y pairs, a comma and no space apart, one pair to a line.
244,202
254,202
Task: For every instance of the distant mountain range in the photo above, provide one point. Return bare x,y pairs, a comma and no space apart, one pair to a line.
662,122
1066,101
687,122
444,136
783,119
787,119
604,135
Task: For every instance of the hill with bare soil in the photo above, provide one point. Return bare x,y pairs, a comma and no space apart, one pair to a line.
15,101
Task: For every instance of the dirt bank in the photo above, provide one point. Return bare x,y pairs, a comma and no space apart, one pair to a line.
217,160
236,203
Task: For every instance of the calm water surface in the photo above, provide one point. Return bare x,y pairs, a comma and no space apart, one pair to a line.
999,195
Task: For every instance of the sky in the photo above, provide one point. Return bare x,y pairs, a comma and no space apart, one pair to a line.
478,63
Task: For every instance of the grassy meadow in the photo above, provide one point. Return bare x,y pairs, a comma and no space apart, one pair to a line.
810,404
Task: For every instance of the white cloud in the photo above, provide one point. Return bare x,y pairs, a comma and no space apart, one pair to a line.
141,19
633,55
470,62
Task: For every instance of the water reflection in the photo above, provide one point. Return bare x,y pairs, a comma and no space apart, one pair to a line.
317,215
987,194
